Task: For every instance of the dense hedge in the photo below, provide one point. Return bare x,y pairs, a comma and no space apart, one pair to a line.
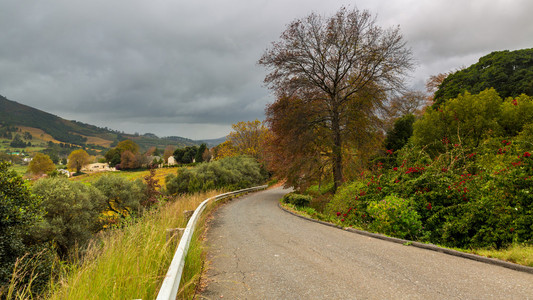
230,173
461,198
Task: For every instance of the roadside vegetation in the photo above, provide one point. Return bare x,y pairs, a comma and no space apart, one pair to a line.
117,237
453,166
131,262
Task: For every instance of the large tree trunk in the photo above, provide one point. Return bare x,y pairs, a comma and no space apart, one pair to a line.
337,150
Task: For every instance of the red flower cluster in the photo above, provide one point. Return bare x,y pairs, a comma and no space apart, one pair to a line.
429,206
445,140
414,170
527,154
390,151
506,143
515,101
395,168
471,155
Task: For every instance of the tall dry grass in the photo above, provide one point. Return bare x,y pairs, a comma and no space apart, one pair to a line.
130,263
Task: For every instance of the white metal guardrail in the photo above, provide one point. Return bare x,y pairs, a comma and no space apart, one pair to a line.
171,284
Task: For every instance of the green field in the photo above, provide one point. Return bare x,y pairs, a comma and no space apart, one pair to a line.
160,175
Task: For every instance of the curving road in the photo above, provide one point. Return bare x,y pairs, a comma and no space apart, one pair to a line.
258,251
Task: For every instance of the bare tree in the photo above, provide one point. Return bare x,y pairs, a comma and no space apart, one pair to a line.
335,62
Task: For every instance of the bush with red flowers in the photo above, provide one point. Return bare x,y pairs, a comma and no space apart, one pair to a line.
460,199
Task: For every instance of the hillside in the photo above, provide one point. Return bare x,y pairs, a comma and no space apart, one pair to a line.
48,127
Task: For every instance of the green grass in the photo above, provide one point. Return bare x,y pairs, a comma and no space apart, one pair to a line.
518,254
20,169
131,263
131,175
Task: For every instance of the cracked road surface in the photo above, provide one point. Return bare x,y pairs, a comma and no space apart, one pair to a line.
258,251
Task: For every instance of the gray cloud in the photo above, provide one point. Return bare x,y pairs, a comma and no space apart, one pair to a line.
189,67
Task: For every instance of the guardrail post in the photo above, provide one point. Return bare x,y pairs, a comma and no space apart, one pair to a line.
174,233
188,214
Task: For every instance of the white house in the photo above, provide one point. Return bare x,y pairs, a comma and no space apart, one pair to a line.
97,167
171,161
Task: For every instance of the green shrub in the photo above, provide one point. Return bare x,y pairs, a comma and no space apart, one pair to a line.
395,216
230,173
122,197
464,197
297,199
72,213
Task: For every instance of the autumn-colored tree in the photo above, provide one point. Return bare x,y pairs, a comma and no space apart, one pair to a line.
338,69
408,103
114,155
151,151
152,189
248,137
41,164
432,85
225,149
169,150
78,159
207,155
128,160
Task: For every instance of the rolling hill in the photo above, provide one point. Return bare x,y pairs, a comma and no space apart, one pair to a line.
48,127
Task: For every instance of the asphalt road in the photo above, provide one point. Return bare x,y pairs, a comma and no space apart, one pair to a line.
258,251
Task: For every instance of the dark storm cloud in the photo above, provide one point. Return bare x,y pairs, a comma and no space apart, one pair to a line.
189,67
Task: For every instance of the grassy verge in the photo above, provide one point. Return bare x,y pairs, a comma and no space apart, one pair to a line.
129,263
518,254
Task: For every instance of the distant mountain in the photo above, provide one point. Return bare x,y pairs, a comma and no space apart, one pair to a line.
72,132
213,142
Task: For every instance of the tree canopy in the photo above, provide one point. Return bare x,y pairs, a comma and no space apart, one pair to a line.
471,118
78,159
509,72
338,69
246,138
41,164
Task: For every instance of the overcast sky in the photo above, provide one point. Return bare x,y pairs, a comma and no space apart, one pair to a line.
189,68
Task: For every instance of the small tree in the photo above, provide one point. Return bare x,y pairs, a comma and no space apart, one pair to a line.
400,133
168,152
122,196
199,157
152,189
41,164
78,159
72,212
128,160
128,145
